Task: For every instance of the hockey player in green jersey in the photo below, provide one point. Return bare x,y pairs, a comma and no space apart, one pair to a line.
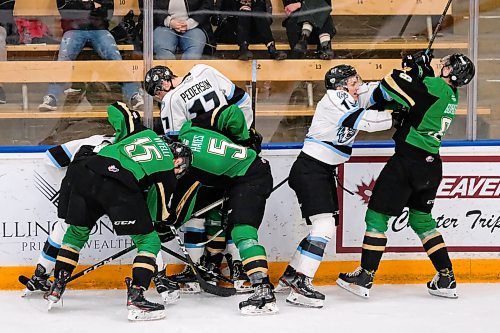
113,182
412,175
225,155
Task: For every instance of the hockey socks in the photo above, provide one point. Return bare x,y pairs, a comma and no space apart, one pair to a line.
436,250
252,254
372,250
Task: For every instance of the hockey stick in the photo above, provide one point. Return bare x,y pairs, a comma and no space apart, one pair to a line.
198,266
209,288
438,26
254,90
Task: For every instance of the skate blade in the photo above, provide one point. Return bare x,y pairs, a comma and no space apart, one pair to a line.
191,288
241,287
282,287
141,315
28,293
50,304
353,288
268,309
301,300
446,293
170,297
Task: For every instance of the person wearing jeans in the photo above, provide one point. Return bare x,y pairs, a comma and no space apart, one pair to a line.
86,22
183,25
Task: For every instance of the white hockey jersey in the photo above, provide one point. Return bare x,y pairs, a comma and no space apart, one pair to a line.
337,121
203,89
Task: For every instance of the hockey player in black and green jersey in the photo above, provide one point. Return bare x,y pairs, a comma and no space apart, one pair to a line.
412,175
113,182
225,155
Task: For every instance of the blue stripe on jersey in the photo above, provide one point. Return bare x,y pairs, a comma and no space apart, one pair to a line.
386,96
49,258
172,133
66,150
347,114
231,93
244,98
193,229
193,246
54,244
53,160
335,150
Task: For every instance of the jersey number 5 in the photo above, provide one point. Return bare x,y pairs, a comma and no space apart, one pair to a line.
220,148
140,151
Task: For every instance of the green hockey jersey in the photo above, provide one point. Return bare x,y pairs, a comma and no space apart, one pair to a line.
432,104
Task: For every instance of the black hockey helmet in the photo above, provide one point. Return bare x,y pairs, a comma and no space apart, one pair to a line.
338,75
462,69
181,150
155,77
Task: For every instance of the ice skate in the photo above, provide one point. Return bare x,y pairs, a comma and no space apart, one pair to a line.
285,280
39,281
443,284
237,273
261,302
187,281
140,308
358,282
168,289
304,294
57,289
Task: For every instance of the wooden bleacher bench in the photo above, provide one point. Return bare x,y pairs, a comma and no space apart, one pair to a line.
55,47
49,7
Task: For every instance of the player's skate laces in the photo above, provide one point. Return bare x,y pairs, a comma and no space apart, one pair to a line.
358,282
58,287
139,308
443,284
303,293
261,302
187,281
168,289
39,281
241,280
285,280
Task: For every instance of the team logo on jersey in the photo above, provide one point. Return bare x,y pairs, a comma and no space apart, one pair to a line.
345,134
429,159
113,168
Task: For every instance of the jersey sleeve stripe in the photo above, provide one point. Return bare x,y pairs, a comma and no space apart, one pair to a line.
391,85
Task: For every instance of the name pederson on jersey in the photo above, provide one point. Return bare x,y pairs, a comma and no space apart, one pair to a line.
201,90
432,104
217,141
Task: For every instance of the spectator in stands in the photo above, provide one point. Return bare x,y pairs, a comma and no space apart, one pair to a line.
260,22
8,34
82,22
308,19
183,25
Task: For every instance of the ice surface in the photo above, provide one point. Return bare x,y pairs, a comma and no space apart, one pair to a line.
391,308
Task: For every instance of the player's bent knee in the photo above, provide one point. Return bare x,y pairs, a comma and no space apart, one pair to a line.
147,243
376,222
323,225
422,223
244,233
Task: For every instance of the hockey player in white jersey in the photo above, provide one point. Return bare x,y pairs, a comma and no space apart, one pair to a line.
340,115
201,90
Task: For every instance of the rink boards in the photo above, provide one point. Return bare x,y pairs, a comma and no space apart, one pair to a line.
466,209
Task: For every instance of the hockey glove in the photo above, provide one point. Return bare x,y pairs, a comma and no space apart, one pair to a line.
164,231
419,63
255,141
399,115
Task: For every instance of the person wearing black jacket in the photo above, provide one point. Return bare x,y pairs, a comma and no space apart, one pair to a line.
82,22
184,25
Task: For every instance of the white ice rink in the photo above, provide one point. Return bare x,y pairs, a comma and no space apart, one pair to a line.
391,308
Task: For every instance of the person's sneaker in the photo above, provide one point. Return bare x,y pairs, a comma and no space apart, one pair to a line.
168,289
139,308
137,102
245,53
3,98
326,51
187,281
58,287
304,294
39,281
262,301
285,280
237,273
358,282
300,49
443,284
49,103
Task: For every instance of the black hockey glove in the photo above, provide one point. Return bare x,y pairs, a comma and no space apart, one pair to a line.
255,141
419,63
399,115
164,231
